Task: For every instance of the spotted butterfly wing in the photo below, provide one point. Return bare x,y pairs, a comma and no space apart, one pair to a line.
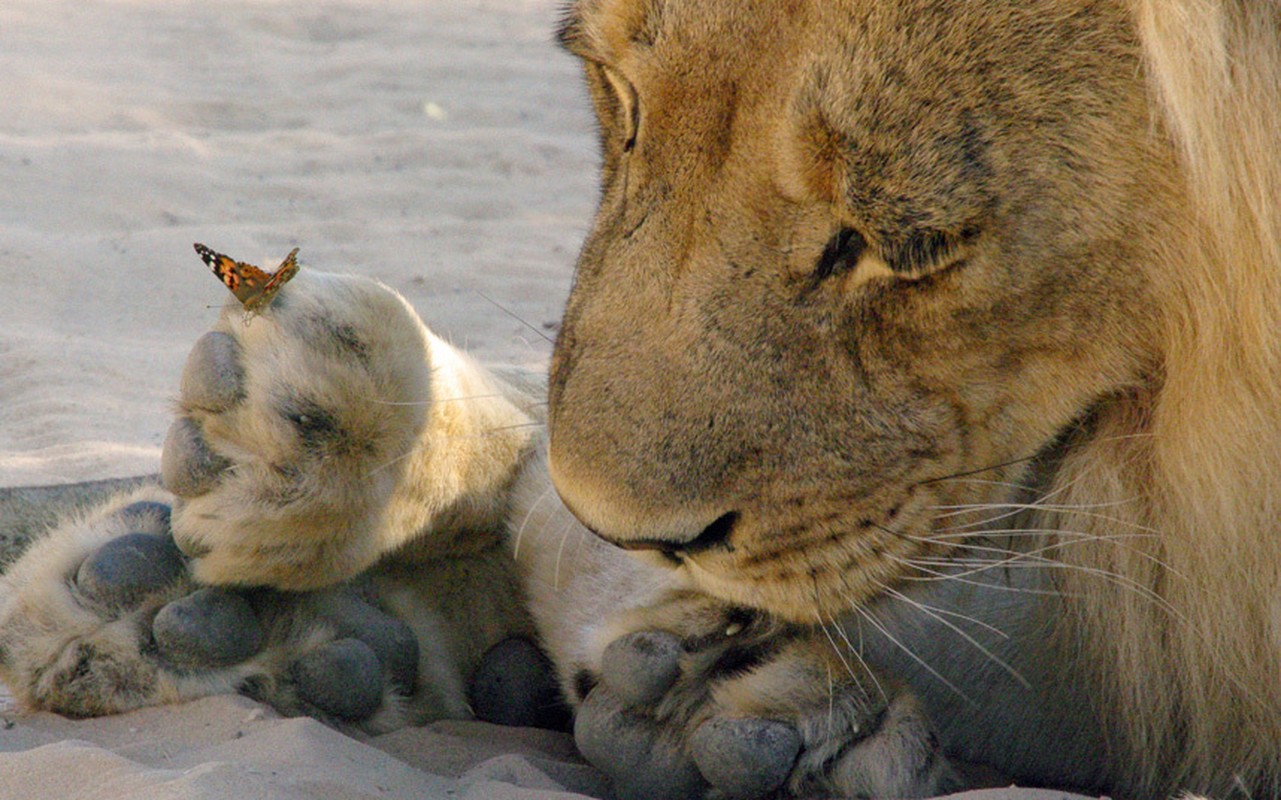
253,287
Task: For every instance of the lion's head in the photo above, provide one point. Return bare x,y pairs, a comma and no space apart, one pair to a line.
844,253
860,266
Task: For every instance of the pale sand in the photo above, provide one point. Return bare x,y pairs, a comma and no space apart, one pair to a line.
442,147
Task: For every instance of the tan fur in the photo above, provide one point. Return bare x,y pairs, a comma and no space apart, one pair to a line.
1057,355
1105,174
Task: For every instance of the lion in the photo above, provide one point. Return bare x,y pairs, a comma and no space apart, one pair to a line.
913,414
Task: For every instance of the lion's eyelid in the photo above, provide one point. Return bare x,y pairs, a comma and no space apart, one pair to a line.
926,250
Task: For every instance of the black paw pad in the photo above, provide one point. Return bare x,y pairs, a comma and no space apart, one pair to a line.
126,569
147,516
641,763
515,684
745,758
188,467
641,667
391,640
212,379
342,678
208,628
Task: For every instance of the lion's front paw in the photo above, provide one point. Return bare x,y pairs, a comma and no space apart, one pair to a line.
294,430
102,616
697,699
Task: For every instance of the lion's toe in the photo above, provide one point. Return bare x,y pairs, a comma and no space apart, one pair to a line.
188,467
641,667
213,377
129,568
745,758
642,759
342,678
390,639
515,684
207,628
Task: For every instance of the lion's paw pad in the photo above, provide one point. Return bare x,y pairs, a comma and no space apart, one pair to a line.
515,684
343,678
639,759
641,667
390,639
213,378
208,628
128,568
745,758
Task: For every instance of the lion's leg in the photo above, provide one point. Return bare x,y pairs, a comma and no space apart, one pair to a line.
330,437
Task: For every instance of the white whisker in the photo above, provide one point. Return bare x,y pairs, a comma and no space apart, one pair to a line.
520,531
911,654
937,614
949,612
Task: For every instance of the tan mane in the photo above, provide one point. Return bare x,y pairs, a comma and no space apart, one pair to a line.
1193,627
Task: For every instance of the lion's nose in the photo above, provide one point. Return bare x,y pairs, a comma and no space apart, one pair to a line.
715,536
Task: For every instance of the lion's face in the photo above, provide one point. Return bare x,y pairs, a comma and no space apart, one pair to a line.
854,263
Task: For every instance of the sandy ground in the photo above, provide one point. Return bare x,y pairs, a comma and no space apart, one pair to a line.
443,147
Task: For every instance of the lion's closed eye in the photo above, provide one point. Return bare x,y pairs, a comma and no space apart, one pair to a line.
841,254
848,255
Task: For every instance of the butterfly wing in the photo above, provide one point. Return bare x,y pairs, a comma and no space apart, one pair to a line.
287,269
245,281
253,287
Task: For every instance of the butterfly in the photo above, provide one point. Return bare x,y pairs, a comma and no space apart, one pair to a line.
253,287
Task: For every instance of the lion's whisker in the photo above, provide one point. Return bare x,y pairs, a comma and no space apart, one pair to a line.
520,531
911,654
1077,537
959,509
975,566
488,432
949,612
516,317
823,625
857,653
389,463
560,552
1014,509
840,652
933,613
949,534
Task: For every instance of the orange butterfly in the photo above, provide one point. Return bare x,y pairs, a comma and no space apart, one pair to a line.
251,286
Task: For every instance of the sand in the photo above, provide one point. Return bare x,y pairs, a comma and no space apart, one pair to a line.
442,147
